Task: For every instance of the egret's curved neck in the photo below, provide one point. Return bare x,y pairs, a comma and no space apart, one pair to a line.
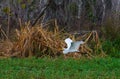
68,46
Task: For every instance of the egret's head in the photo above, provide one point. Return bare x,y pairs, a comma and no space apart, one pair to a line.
82,42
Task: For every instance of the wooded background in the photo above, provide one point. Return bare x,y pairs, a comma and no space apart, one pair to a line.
71,14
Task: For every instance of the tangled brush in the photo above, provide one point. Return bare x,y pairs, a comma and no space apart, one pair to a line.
36,41
39,42
91,47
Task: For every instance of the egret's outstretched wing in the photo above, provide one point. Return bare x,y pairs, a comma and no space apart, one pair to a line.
75,46
68,41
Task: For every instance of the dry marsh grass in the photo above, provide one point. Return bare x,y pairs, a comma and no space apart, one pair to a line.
39,42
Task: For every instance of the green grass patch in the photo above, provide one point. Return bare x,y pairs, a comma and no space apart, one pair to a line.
47,68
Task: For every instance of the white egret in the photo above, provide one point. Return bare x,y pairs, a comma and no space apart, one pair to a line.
72,46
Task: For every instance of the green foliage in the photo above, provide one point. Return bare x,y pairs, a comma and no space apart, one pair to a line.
111,33
23,6
73,8
94,1
19,1
46,68
110,30
112,48
89,11
6,10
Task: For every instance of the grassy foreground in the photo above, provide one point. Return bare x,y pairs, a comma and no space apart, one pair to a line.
47,68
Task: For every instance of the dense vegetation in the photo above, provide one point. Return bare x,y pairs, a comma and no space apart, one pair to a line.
21,38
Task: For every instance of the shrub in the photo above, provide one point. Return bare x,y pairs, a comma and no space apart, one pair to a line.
111,29
111,33
112,48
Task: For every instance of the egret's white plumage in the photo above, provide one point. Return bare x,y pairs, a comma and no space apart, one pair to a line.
72,46
68,41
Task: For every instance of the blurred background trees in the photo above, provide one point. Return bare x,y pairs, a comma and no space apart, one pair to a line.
71,14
